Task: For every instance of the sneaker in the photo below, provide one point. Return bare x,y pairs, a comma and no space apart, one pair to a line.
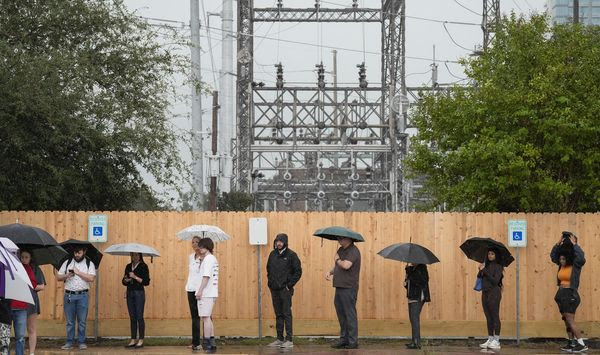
569,347
196,347
351,346
578,348
82,346
66,347
288,344
485,345
339,345
494,345
277,343
413,346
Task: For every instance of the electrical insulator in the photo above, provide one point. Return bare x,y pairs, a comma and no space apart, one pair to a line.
354,4
362,75
320,75
279,83
279,4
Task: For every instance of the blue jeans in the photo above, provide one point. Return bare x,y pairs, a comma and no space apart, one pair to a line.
135,305
76,306
20,324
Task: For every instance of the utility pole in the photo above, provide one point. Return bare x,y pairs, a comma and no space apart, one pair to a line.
215,138
228,120
575,11
198,154
434,71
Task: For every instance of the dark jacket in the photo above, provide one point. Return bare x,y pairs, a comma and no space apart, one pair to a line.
491,276
417,283
140,271
578,262
283,269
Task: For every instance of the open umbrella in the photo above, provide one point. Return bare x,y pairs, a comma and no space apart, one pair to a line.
44,248
126,248
91,252
332,233
476,248
409,253
203,231
9,245
14,281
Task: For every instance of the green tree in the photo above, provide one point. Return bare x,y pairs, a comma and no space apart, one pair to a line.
234,201
85,88
526,137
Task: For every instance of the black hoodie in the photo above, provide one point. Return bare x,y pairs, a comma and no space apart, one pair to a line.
283,269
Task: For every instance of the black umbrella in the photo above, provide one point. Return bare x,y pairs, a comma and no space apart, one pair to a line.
476,248
44,248
91,252
409,253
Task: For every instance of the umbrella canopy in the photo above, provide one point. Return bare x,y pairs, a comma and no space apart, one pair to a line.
203,231
332,233
91,252
126,248
9,245
44,248
24,234
14,281
476,248
409,253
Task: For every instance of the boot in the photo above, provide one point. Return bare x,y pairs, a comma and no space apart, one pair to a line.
211,346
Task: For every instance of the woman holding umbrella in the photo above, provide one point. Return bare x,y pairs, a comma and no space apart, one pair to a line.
33,310
19,315
136,277
491,274
416,281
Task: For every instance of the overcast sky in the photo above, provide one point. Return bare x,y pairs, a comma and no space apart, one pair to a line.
355,42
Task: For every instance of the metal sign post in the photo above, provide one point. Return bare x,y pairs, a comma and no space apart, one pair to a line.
97,233
258,236
517,238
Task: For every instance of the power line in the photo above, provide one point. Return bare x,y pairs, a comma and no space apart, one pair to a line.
451,73
453,41
210,48
519,7
466,8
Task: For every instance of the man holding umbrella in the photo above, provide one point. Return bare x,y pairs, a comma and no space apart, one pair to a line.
345,272
77,273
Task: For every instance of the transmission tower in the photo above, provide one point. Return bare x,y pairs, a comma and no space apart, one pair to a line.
490,21
322,147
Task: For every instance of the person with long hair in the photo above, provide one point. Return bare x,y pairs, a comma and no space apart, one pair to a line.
19,312
33,310
569,257
417,292
136,277
193,282
207,292
491,274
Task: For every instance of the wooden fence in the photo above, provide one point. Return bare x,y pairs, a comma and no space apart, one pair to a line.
455,308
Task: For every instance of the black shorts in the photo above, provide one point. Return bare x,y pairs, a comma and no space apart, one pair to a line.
567,300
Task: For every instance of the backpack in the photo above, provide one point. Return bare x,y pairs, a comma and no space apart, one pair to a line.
87,261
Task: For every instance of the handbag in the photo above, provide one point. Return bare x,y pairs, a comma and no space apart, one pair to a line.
478,284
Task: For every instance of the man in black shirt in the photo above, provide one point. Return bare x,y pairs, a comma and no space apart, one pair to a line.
283,272
345,280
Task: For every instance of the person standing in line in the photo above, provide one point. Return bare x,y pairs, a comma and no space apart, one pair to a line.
136,277
208,292
5,322
77,272
417,292
570,258
19,313
283,272
346,274
491,274
33,310
193,282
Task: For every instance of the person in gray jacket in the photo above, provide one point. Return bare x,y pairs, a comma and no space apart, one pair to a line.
569,257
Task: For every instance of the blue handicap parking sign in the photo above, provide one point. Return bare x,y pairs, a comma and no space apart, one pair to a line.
517,235
97,231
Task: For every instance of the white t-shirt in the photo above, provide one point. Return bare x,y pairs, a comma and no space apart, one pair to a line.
76,283
194,278
210,269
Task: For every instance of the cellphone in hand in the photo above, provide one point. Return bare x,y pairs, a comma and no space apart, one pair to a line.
71,271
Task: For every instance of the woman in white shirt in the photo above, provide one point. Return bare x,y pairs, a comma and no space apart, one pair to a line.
208,292
193,282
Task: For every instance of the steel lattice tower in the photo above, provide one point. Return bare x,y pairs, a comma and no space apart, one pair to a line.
491,19
322,147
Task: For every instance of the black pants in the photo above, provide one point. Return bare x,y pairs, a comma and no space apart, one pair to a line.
282,304
193,302
345,307
414,314
135,305
491,308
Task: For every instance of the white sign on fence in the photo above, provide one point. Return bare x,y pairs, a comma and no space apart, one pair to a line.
98,228
517,233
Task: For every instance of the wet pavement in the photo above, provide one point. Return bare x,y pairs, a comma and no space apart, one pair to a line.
370,349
